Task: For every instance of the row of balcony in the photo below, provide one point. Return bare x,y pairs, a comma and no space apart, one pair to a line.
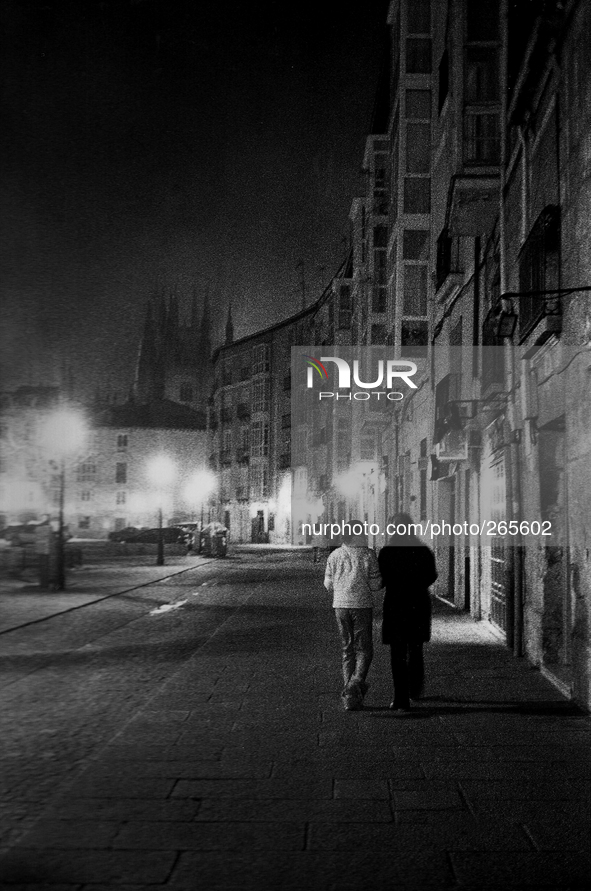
226,457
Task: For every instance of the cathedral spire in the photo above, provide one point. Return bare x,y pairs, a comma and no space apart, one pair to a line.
145,369
205,332
229,325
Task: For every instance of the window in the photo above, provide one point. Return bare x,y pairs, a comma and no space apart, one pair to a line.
418,13
345,307
379,301
418,148
380,236
483,20
244,371
260,358
378,334
260,396
121,473
86,495
414,338
418,105
367,447
86,472
418,55
83,522
417,194
448,257
121,498
482,75
259,483
186,393
286,420
244,437
538,269
227,442
415,244
482,141
260,439
122,441
415,289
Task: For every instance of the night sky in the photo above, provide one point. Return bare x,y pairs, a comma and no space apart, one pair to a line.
161,143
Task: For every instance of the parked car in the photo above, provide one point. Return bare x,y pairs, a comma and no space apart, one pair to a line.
128,533
19,534
170,535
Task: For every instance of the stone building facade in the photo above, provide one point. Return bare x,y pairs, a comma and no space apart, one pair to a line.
476,184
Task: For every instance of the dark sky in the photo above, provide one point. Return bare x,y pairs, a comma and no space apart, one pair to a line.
163,143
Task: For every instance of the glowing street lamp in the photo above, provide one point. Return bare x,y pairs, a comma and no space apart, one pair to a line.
161,471
63,435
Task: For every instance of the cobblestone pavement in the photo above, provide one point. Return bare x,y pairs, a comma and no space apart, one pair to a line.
206,748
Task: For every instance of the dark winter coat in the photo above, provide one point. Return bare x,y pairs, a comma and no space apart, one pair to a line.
407,572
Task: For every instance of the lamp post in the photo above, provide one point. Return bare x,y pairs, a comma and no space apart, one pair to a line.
161,471
63,435
198,489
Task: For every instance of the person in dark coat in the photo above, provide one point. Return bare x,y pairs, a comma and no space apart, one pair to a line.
408,569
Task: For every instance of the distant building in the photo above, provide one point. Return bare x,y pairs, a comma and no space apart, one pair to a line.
111,485
26,477
174,358
250,424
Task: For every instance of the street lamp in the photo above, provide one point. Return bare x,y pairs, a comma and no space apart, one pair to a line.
63,434
161,471
198,489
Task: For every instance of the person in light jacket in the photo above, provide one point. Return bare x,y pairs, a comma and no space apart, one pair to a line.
352,575
408,569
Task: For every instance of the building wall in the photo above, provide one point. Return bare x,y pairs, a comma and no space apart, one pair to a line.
112,486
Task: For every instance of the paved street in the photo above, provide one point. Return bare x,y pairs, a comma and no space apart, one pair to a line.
204,747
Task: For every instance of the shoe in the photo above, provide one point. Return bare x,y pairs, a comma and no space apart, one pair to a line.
352,697
399,708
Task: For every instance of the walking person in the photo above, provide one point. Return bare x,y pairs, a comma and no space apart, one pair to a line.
352,575
408,569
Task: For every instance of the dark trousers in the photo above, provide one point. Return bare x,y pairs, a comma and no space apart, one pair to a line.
408,671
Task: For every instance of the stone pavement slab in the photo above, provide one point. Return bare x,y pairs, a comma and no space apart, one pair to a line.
22,603
242,770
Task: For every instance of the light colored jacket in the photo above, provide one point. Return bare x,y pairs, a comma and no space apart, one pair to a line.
352,575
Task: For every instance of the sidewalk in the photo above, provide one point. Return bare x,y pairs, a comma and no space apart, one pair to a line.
24,602
243,771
